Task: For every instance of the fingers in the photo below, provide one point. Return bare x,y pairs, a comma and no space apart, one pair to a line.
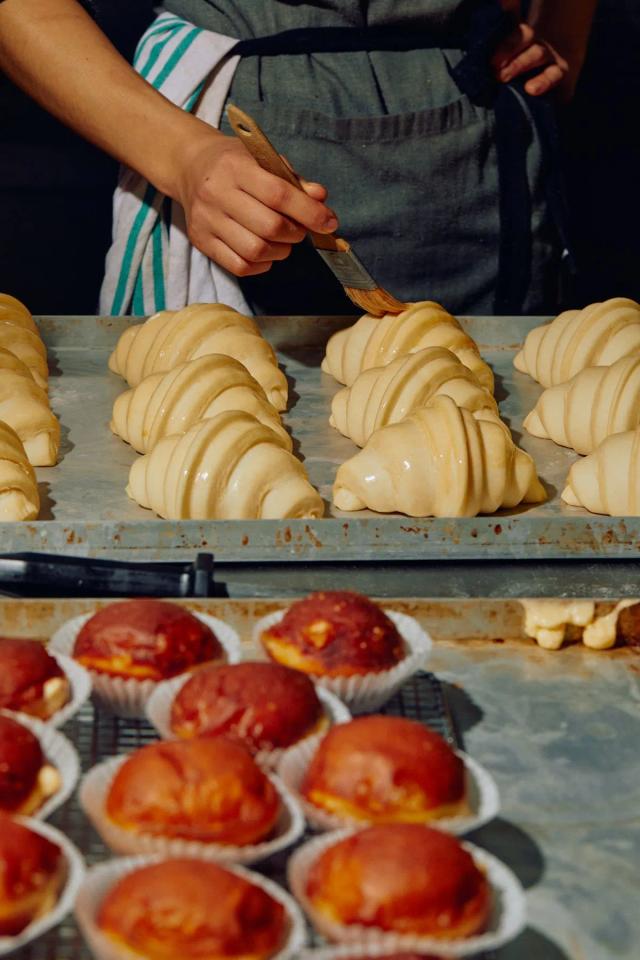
551,77
228,258
296,204
511,46
315,190
522,52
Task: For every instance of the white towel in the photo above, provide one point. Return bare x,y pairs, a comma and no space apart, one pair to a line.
151,264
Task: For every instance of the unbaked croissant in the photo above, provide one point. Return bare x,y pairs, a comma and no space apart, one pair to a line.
169,403
608,480
596,336
230,467
17,337
383,395
19,498
440,461
13,309
24,406
168,338
583,411
375,342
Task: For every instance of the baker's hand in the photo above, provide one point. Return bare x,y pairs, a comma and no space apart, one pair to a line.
238,214
523,52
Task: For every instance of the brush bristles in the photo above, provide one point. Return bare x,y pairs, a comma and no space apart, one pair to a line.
376,302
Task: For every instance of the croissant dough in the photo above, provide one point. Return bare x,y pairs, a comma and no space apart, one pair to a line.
169,403
441,461
230,467
14,310
596,336
169,338
608,480
382,395
25,345
596,403
19,498
375,342
24,406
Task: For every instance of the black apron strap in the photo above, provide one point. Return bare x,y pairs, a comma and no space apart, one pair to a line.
307,40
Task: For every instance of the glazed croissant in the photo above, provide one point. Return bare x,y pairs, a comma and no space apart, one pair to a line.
168,338
18,337
13,309
441,461
374,342
19,498
383,395
24,406
583,411
596,336
169,403
230,467
608,480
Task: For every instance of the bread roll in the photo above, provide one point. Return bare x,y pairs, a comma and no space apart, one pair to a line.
596,403
383,395
230,467
26,345
596,336
375,342
608,480
27,780
169,338
24,406
32,873
19,497
441,461
31,680
166,404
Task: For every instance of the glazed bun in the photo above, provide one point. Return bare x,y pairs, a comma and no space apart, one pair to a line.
31,680
404,878
336,633
145,640
26,779
207,789
181,909
384,770
265,705
32,872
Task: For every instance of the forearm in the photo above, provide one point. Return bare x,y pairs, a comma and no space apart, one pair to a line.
54,51
566,25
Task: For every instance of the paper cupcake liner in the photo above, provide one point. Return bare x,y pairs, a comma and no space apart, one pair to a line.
127,697
75,877
161,702
368,692
507,918
94,789
60,753
481,792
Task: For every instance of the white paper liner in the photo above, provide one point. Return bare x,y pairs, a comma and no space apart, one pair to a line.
368,692
101,878
507,920
59,752
95,787
161,702
481,792
127,697
75,877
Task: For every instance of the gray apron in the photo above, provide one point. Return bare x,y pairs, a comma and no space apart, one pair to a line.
409,157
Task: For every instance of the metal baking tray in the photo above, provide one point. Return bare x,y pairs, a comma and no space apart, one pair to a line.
85,509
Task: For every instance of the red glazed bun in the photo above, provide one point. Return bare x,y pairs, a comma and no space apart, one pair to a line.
181,909
32,872
145,640
31,680
404,878
335,634
385,769
265,705
207,789
26,779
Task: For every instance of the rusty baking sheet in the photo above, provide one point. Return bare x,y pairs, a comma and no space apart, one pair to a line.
85,509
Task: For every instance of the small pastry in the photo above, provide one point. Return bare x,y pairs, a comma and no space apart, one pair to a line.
19,497
31,680
145,640
32,873
13,309
26,345
384,770
27,780
207,789
24,406
180,909
335,634
608,480
265,705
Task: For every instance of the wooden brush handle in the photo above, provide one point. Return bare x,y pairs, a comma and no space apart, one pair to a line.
263,151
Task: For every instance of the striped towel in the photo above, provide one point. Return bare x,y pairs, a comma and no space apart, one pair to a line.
151,264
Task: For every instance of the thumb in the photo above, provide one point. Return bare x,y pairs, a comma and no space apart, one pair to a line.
314,190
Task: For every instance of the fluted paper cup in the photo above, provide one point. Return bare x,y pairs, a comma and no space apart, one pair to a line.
507,919
94,790
100,879
365,693
481,793
126,696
